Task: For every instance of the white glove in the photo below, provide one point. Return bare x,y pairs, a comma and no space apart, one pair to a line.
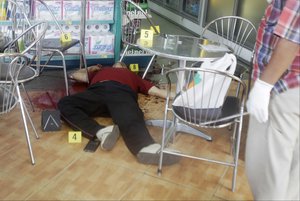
258,101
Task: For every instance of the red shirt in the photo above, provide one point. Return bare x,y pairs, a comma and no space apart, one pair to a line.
123,76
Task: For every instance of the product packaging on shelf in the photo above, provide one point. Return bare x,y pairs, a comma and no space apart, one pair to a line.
71,29
100,10
98,38
97,28
102,44
71,10
41,13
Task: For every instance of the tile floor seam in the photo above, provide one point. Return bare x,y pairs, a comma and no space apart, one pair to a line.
126,167
176,183
53,179
127,191
220,182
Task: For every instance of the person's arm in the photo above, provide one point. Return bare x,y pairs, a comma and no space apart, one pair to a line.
80,75
282,57
162,93
259,97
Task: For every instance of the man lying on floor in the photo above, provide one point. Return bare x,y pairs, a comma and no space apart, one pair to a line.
113,92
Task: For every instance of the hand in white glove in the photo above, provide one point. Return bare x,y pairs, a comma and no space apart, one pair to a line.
258,101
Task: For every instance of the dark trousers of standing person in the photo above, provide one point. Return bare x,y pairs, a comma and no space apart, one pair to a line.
108,98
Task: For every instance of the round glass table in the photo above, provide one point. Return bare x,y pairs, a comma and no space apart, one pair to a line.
182,48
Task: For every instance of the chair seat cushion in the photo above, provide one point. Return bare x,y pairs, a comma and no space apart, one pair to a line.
230,107
55,44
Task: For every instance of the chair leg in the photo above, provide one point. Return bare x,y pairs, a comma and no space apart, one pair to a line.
239,86
30,121
25,126
83,60
82,56
233,139
124,52
42,66
163,141
237,151
65,71
249,84
148,67
28,97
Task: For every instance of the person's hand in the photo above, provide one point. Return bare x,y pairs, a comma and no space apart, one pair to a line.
258,101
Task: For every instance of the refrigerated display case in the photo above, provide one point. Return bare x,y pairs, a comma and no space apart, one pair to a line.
193,15
187,13
216,8
246,8
174,4
192,8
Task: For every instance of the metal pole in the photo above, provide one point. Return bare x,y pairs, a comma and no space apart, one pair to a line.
82,28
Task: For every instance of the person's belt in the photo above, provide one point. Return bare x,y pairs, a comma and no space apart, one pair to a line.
103,81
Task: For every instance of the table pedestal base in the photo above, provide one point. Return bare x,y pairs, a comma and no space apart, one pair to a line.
179,127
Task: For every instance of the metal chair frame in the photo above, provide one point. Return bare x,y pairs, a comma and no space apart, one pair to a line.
234,32
55,47
207,116
10,91
19,71
24,37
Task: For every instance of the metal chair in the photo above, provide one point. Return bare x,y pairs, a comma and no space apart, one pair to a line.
15,70
54,47
23,37
134,18
204,99
11,67
234,32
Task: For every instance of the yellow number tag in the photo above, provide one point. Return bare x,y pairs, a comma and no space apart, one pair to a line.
146,34
134,68
66,37
146,43
69,22
2,14
156,27
74,137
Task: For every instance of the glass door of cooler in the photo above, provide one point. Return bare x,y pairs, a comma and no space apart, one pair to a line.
174,4
218,8
245,10
161,2
191,8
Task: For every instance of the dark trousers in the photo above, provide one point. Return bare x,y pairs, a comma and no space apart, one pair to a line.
103,99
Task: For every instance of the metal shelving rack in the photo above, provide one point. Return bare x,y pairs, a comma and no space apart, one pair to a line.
115,28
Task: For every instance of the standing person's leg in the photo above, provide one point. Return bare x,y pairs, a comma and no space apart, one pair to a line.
285,113
272,150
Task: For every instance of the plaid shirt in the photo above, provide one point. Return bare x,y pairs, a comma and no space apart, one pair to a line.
282,19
